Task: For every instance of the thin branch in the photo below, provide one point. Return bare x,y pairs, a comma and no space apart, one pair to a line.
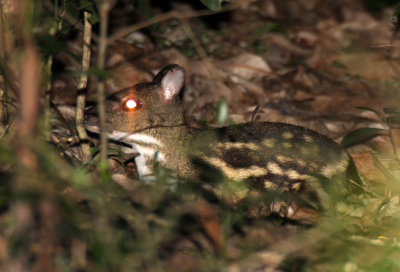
390,133
383,45
4,92
26,134
29,91
80,100
70,19
47,108
8,77
166,16
203,54
47,98
101,58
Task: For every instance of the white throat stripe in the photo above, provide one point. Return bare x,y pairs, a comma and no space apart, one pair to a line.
136,138
144,139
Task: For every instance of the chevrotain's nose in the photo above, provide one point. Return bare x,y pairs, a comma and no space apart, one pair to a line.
92,119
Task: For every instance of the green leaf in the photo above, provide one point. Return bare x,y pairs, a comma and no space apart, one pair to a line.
222,111
50,45
144,8
80,177
397,11
270,27
212,4
100,73
103,169
394,119
90,7
339,64
367,109
359,135
391,110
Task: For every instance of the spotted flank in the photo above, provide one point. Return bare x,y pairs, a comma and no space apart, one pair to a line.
282,161
269,142
240,160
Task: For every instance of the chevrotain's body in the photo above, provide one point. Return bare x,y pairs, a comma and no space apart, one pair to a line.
266,156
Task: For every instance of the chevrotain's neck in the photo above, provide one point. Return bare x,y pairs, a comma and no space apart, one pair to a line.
166,144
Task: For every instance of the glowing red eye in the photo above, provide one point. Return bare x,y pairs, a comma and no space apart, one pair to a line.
130,104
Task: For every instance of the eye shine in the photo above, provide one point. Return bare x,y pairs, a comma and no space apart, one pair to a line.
131,104
265,156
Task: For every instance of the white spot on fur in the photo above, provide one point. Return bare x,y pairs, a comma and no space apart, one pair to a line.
270,185
275,169
296,186
337,167
308,138
287,145
287,135
269,142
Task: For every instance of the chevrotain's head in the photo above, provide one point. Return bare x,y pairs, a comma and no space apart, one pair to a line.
145,105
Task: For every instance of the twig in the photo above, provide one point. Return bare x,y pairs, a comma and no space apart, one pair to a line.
101,57
80,100
47,98
26,133
383,45
166,16
8,77
70,19
254,113
29,91
3,93
210,67
125,31
390,133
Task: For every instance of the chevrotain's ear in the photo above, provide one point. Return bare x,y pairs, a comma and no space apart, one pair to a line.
172,79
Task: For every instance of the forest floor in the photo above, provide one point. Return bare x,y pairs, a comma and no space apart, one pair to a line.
311,63
332,66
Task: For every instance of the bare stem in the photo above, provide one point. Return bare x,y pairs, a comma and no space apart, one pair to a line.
26,134
3,92
47,108
166,16
81,99
390,133
203,54
101,58
69,18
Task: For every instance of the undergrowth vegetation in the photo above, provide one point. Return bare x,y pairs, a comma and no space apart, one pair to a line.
58,213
